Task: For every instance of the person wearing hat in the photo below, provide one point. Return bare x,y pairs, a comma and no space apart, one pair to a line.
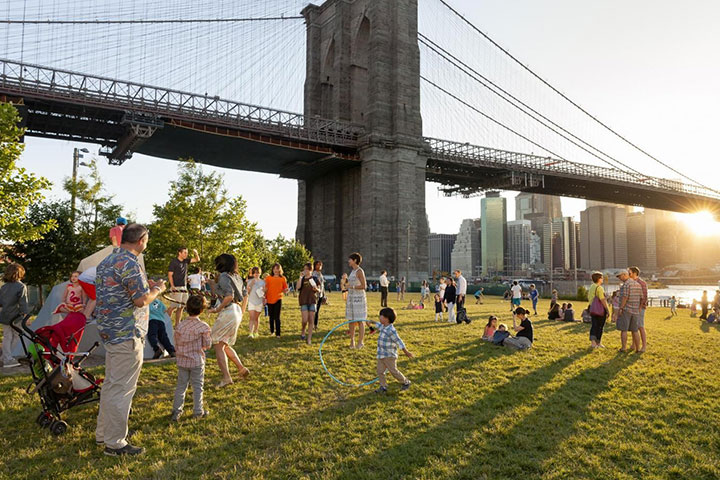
631,296
523,338
117,230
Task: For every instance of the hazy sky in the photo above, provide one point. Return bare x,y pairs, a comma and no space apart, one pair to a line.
648,68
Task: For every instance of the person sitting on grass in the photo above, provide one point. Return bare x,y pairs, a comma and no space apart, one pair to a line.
569,313
192,338
500,334
714,316
554,312
562,311
523,339
490,328
388,343
157,334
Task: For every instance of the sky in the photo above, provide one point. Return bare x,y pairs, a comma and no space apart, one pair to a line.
647,68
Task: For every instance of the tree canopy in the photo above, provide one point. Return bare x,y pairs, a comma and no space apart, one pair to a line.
18,188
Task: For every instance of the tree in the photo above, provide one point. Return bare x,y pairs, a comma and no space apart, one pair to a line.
200,214
95,211
292,256
18,188
50,259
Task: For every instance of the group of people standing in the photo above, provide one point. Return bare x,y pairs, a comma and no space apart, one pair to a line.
450,296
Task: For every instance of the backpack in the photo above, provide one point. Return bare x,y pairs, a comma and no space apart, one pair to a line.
462,316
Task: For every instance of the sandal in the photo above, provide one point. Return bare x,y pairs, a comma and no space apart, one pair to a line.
244,374
224,384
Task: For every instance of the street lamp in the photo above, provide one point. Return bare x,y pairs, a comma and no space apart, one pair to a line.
77,155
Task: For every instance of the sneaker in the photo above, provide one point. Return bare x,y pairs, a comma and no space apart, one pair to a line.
172,354
175,417
405,386
204,414
302,337
126,450
361,345
158,353
381,390
12,364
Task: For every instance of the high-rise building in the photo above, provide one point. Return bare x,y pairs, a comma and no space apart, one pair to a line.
603,237
465,254
560,242
440,247
670,246
518,243
493,217
540,210
535,250
641,244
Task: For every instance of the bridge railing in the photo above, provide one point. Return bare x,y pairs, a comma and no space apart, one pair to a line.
77,88
474,155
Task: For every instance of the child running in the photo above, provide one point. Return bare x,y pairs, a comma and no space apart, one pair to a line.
192,338
388,343
534,295
438,307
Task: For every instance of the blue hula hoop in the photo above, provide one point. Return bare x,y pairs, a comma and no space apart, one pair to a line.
322,361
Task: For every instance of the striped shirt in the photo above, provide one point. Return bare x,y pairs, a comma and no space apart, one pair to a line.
633,292
388,341
192,338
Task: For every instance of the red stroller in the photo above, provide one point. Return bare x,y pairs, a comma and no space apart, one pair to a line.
57,375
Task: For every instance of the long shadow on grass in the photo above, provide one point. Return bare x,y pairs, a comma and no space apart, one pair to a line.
536,438
430,444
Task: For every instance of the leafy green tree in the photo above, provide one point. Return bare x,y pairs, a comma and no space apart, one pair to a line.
201,215
95,211
292,256
50,259
18,188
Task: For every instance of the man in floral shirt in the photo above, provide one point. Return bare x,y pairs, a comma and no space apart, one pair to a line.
123,295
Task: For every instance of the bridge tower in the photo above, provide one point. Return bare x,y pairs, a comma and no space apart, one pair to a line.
363,66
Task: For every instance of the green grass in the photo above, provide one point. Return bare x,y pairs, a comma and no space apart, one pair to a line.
475,411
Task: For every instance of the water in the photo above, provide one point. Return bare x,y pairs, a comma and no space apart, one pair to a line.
683,293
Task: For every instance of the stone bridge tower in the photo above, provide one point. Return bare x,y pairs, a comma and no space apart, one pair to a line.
363,66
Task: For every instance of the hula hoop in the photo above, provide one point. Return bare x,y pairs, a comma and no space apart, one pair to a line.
322,361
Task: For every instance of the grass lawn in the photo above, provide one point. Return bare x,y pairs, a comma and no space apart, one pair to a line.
474,411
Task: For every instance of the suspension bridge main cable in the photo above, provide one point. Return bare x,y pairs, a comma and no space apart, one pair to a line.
565,97
155,21
484,81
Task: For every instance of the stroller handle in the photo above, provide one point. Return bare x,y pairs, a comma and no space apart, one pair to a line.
23,325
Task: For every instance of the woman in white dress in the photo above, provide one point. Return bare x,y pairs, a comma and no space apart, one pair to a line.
230,312
256,295
356,305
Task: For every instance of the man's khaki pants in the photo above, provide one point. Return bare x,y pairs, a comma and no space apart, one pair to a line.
389,364
123,362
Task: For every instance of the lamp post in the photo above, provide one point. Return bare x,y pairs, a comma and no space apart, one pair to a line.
76,163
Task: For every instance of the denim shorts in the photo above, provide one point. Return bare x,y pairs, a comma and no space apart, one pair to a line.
308,308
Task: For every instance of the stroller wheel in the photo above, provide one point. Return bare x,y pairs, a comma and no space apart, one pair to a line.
44,419
58,427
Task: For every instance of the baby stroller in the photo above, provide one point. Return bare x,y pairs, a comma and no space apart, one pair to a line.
55,367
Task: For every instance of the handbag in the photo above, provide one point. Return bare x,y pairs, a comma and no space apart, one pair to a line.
596,307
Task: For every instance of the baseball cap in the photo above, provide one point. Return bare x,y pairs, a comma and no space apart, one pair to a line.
121,221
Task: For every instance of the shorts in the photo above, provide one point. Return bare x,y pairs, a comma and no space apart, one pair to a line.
516,301
628,322
255,307
308,308
641,319
180,298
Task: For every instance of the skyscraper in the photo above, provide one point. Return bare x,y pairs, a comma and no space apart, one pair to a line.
603,237
540,210
641,240
560,242
440,247
465,254
493,217
519,243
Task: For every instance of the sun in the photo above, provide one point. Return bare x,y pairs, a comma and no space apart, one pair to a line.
701,223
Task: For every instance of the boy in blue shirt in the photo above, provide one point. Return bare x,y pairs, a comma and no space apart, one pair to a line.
534,295
388,343
157,335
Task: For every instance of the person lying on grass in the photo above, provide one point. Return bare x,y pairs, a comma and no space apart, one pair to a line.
388,343
500,334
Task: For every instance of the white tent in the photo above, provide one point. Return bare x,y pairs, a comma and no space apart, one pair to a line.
91,335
